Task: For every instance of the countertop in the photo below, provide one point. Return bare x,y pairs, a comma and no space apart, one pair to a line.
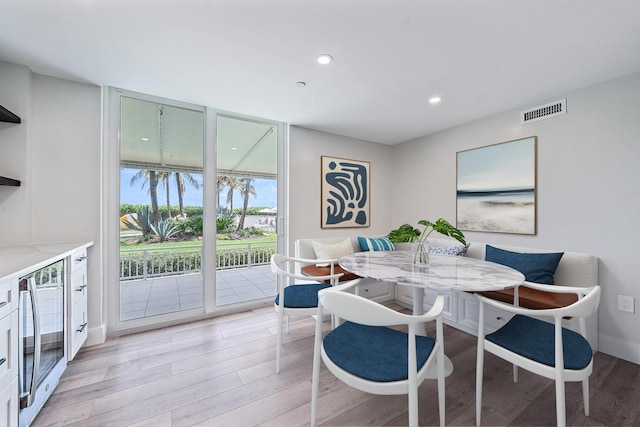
19,260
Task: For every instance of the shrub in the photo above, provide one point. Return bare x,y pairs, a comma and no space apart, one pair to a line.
141,222
165,229
224,224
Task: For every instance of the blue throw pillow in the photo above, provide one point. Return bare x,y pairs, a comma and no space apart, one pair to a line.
376,244
536,267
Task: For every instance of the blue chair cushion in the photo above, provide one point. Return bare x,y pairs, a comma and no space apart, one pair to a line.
302,295
536,267
376,244
374,353
535,340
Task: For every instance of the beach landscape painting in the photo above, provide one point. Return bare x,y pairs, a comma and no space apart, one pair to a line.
496,188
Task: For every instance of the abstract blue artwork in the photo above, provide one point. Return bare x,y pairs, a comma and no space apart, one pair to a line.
496,188
345,193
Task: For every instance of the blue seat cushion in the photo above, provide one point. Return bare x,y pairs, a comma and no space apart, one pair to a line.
374,353
302,295
535,340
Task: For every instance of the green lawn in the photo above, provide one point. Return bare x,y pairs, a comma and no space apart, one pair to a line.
269,239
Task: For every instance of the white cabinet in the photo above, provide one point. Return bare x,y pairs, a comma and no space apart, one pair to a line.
404,294
77,302
375,290
21,261
460,309
9,352
9,405
469,309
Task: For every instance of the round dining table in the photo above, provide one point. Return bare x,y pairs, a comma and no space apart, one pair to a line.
443,272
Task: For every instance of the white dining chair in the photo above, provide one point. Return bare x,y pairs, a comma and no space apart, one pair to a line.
541,347
365,353
297,298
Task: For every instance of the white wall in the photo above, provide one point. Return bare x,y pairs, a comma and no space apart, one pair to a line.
306,148
15,207
65,179
55,152
587,189
65,158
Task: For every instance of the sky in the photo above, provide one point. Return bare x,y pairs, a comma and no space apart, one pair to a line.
505,165
266,191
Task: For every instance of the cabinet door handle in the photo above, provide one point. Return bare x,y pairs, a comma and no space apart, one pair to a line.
3,303
4,359
81,288
81,328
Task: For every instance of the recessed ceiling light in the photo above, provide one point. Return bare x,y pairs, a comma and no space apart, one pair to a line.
301,84
324,59
234,148
145,139
435,99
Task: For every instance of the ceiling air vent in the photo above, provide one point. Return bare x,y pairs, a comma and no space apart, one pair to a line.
542,112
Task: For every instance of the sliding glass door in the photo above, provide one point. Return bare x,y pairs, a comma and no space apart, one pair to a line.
246,209
161,208
193,210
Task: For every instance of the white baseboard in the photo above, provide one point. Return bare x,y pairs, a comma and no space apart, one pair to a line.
619,348
96,336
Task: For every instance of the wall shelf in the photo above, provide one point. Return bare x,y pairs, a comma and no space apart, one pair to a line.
9,181
8,116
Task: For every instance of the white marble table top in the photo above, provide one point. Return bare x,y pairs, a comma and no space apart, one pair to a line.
443,271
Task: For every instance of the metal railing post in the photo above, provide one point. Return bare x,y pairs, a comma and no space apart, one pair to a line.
144,264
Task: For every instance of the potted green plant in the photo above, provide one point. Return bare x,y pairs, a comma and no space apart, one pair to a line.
406,233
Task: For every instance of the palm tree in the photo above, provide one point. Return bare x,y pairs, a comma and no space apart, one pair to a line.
150,176
233,183
222,182
246,189
180,179
164,177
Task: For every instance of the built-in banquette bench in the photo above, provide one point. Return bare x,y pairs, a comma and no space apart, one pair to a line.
461,308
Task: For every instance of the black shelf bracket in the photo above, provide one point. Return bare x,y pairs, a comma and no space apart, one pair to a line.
9,181
8,116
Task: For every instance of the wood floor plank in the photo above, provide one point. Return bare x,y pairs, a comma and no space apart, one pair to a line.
63,397
221,371
204,409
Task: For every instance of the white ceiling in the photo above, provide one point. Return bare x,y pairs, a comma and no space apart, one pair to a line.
390,56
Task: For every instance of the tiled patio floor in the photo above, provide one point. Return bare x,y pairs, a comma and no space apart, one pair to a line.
143,298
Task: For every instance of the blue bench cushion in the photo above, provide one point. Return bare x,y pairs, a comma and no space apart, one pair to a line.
536,267
534,339
374,353
302,295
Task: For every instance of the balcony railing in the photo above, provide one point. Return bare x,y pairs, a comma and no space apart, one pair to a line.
175,260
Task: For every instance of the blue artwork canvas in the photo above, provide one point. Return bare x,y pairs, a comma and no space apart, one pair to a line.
496,188
345,193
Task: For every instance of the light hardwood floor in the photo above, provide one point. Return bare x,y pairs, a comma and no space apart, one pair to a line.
220,372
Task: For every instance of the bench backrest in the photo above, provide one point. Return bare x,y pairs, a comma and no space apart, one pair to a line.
574,269
304,247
